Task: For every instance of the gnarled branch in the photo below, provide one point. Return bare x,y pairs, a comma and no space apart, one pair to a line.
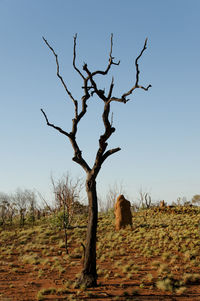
77,152
61,79
136,85
137,74
101,154
99,92
110,61
54,126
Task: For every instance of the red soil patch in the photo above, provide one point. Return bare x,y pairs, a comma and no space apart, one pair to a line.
52,268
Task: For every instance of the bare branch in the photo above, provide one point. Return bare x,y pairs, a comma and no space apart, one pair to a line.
92,74
109,130
72,136
111,122
74,58
85,97
111,88
110,152
136,62
45,202
53,126
118,99
135,87
101,154
60,77
137,75
101,158
78,154
99,92
110,61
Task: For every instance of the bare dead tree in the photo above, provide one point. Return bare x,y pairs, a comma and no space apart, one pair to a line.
145,200
67,194
21,204
32,208
46,208
112,194
90,88
11,210
4,208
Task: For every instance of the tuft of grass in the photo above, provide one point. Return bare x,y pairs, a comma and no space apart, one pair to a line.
165,285
40,296
191,278
45,291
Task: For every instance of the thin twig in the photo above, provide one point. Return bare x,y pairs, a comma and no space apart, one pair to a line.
74,58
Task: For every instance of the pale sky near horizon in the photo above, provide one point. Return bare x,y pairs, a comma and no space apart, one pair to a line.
158,131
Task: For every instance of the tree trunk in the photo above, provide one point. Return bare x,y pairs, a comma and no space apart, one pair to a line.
89,273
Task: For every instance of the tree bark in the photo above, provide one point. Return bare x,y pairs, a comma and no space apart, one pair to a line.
89,273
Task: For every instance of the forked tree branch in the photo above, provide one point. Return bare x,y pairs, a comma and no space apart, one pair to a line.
61,79
110,61
101,154
110,152
99,92
137,74
85,97
54,126
136,85
77,152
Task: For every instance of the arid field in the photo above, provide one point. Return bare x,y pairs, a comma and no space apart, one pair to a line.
157,259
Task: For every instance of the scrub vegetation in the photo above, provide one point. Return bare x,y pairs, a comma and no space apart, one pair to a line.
158,257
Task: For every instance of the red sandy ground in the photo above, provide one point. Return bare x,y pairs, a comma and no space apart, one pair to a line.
21,283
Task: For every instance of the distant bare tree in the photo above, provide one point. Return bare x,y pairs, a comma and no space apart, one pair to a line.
181,201
112,194
145,200
31,203
67,194
91,88
46,207
20,200
11,210
4,207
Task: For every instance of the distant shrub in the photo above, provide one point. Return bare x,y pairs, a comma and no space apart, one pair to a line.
56,220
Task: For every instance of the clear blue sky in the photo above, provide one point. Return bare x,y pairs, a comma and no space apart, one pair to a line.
158,131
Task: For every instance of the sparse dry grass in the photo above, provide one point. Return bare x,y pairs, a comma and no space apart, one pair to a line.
160,254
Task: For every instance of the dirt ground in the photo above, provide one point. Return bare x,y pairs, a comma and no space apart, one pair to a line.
37,268
23,285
